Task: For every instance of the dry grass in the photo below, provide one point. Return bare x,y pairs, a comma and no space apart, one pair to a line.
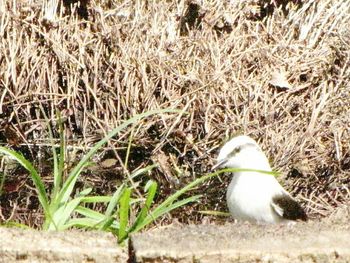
282,79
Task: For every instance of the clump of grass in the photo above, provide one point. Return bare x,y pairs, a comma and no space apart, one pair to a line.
60,207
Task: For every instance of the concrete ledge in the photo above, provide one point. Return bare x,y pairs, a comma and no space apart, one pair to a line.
315,241
17,245
302,242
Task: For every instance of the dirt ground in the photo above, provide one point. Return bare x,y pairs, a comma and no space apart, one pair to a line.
277,71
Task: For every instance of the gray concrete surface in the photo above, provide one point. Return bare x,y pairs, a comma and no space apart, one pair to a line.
314,241
17,245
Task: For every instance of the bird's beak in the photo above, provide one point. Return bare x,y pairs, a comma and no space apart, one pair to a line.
219,164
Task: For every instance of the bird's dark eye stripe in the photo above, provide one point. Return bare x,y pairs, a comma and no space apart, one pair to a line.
239,148
234,151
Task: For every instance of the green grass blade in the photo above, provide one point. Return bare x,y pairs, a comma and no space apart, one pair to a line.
62,215
109,219
143,170
114,200
39,185
213,213
65,212
62,158
151,192
81,223
98,217
180,192
67,188
107,224
124,206
106,199
128,149
2,182
56,205
87,212
152,216
14,224
85,192
87,222
56,172
187,200
96,199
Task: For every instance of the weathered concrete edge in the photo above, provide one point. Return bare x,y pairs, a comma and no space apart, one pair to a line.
196,243
18,245
234,243
245,256
228,255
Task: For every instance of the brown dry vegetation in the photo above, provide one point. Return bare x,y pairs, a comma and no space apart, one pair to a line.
279,72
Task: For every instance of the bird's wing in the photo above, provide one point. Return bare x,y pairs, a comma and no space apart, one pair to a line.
285,206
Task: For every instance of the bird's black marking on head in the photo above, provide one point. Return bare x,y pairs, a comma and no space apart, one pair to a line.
239,148
234,151
291,208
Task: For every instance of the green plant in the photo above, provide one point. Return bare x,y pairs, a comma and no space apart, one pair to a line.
62,211
2,181
60,206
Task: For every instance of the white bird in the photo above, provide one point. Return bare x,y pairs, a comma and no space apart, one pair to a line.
255,196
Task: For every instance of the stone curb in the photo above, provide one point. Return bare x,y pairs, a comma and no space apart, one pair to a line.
325,241
303,242
18,245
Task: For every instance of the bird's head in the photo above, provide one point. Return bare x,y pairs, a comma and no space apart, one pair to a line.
242,152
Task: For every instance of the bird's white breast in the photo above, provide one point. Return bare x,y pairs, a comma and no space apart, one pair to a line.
249,197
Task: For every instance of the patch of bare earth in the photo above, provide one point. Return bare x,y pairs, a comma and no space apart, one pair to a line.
278,72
